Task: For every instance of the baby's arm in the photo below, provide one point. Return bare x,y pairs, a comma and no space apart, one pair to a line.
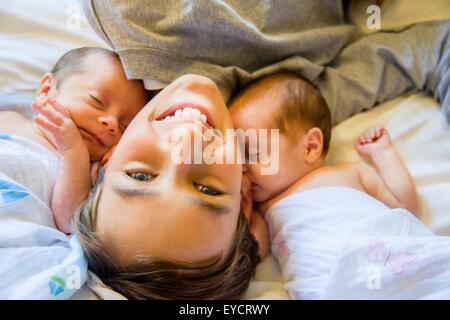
73,181
395,187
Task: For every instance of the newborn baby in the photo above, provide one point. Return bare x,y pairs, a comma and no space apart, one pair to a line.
84,105
323,219
295,107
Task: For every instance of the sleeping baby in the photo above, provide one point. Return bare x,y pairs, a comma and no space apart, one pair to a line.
83,106
322,218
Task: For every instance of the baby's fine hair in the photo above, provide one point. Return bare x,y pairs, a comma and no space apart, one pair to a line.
299,104
148,278
72,61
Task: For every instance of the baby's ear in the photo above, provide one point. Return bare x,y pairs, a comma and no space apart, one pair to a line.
313,144
47,87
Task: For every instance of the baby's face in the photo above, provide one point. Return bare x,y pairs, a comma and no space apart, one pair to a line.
101,101
291,164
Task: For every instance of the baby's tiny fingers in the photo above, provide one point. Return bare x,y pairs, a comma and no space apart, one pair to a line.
58,107
375,133
49,113
367,136
378,132
359,140
39,108
45,124
36,106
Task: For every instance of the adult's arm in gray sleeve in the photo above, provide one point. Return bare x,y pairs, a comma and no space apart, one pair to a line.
230,41
385,65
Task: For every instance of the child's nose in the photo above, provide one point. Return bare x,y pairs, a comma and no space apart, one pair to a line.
110,123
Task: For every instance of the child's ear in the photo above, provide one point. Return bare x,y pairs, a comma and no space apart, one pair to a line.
47,86
313,143
256,224
261,234
247,199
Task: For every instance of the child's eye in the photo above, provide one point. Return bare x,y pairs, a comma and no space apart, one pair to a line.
140,176
208,190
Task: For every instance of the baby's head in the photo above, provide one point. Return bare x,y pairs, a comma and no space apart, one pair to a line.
291,104
91,84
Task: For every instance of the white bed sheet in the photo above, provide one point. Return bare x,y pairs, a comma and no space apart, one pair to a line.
33,34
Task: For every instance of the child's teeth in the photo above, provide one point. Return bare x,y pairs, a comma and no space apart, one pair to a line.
196,113
188,112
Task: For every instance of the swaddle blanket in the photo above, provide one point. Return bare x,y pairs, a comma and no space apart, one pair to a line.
340,243
37,260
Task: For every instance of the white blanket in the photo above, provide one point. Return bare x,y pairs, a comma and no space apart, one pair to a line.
340,243
37,260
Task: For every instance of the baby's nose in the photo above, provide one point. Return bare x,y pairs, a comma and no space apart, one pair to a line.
110,124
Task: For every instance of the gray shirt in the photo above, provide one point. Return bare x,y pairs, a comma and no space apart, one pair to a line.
234,42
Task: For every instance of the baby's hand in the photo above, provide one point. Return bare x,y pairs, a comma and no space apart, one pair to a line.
373,141
58,126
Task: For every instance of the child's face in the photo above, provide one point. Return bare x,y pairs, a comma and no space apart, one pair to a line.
292,165
174,210
101,101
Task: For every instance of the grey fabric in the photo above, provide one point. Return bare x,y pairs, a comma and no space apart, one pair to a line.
234,42
384,65
229,41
